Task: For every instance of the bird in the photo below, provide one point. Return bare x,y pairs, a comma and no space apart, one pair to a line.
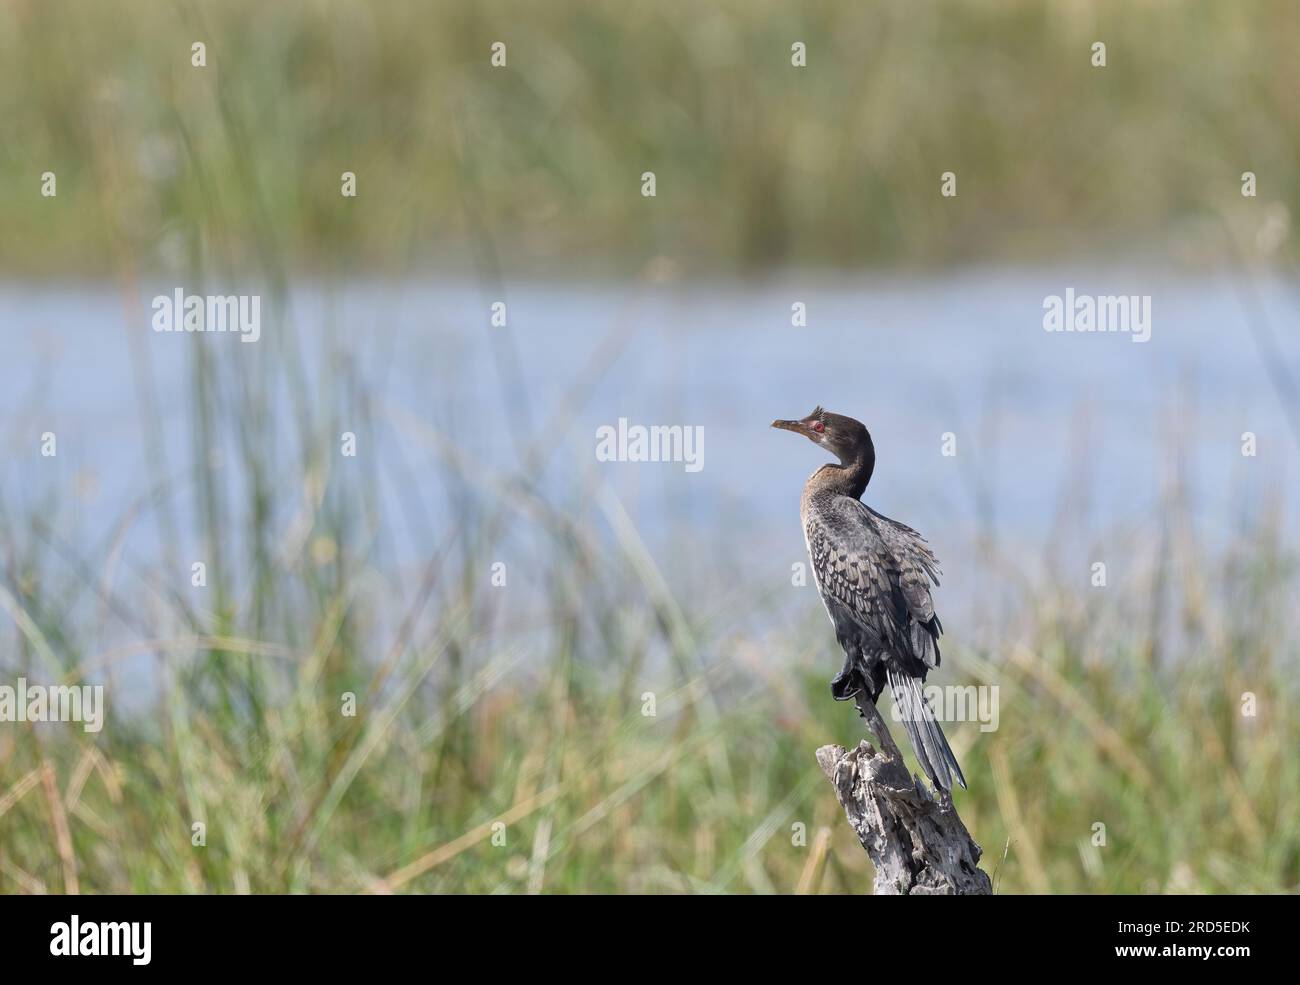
874,576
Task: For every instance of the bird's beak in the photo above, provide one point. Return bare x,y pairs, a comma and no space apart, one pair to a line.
798,427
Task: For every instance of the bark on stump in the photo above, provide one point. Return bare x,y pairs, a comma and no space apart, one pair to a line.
918,844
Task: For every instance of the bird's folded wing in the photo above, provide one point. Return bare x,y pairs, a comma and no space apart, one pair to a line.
882,571
855,568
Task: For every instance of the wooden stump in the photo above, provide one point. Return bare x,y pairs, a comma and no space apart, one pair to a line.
918,844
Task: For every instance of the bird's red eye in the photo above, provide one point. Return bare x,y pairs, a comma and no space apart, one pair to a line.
818,426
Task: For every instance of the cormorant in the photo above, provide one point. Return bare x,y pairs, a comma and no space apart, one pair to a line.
874,576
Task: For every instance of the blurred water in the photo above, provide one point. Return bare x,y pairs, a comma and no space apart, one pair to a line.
1040,419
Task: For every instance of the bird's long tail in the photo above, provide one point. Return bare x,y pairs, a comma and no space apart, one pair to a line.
927,737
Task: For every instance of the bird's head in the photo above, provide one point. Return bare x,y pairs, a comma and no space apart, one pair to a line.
842,436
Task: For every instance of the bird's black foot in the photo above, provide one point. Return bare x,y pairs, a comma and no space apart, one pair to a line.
846,684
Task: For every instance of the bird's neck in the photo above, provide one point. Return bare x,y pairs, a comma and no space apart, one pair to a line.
849,477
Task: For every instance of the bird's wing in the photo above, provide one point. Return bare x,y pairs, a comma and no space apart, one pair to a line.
856,569
881,571
918,567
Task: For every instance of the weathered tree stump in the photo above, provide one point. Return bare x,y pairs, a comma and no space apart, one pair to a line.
918,844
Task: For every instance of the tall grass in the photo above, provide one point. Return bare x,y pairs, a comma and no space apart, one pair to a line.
758,162
501,742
